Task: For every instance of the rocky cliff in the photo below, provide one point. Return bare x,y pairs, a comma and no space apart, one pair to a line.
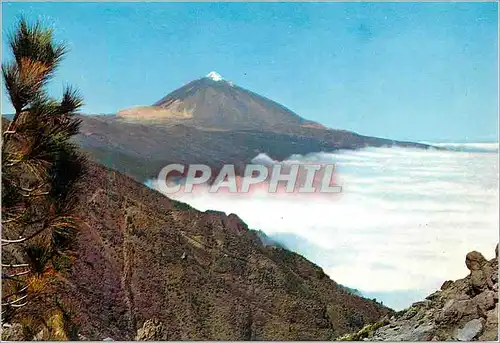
463,310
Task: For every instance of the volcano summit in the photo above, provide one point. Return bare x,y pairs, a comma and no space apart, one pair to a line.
214,103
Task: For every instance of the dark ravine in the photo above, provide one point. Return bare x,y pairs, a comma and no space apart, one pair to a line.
204,276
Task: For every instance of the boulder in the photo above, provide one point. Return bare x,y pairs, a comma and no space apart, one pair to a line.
491,327
152,330
485,300
455,311
470,330
475,260
482,279
447,284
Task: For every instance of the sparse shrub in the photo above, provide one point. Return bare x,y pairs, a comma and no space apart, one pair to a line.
366,332
178,205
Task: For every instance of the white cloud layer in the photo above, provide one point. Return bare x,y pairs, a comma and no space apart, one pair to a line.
403,224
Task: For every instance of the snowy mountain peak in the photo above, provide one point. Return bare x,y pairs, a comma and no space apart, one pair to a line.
214,76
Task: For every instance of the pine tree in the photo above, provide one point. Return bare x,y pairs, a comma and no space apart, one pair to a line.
41,169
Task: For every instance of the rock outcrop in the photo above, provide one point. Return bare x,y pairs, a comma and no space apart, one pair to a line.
462,310
152,330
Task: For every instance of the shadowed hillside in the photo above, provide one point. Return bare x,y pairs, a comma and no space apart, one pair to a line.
203,275
141,148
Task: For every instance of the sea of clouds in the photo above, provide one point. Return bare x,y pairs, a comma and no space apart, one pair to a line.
403,224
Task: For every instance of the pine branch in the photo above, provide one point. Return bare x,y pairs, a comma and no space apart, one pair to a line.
6,242
15,265
10,303
10,276
24,289
41,166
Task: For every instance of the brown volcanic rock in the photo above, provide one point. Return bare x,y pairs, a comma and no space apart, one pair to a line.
464,310
152,330
475,260
201,275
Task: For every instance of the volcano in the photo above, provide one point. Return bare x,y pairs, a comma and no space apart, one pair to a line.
209,121
212,102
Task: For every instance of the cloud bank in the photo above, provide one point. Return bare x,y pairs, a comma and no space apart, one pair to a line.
402,225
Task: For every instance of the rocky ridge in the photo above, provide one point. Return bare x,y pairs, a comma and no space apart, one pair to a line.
462,310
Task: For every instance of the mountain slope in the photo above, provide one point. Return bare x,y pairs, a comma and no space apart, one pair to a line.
140,149
212,102
142,256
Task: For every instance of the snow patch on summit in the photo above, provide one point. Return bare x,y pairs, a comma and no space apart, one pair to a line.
214,76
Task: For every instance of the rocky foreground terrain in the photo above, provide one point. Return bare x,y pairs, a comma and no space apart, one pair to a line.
462,310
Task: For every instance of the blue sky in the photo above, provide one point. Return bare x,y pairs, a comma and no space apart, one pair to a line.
415,71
